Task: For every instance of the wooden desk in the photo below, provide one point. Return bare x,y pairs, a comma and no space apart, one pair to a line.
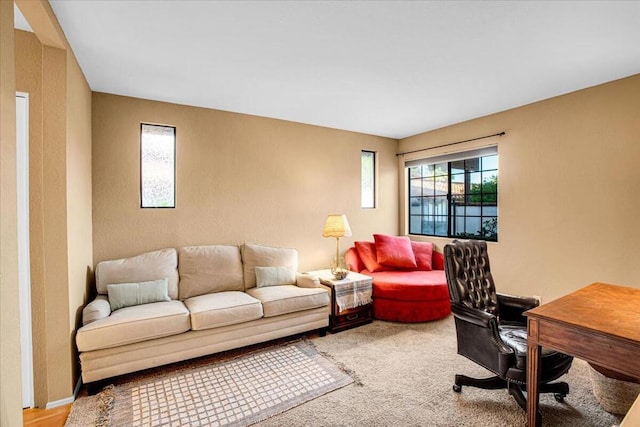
599,323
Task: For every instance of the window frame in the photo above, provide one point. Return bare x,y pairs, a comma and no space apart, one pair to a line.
175,141
374,177
485,174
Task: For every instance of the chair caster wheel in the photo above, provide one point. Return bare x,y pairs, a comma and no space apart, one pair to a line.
457,388
559,397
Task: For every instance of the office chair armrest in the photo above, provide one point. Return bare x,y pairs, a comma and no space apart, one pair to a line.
472,315
511,307
479,339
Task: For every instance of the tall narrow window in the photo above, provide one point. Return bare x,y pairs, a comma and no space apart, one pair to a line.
368,169
455,195
157,166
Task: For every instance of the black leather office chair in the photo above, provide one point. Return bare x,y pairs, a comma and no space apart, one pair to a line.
491,329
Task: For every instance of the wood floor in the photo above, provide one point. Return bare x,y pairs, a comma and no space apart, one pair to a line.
55,417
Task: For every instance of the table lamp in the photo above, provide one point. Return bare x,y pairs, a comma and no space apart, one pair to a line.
337,226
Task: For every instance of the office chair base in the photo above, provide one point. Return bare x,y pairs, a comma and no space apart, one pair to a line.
491,383
559,389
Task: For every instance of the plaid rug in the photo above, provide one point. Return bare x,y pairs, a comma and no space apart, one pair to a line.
236,392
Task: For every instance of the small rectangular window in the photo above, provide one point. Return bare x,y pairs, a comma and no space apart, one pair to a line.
368,169
157,166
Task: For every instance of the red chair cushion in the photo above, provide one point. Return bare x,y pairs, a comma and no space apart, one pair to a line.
394,251
367,252
423,252
438,261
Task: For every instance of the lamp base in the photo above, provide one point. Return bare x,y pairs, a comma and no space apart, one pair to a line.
339,269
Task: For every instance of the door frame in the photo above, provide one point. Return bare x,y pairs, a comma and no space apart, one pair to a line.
24,265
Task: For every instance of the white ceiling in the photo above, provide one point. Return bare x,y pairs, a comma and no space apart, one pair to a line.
389,68
19,21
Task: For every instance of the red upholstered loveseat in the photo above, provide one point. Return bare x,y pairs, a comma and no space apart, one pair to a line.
404,294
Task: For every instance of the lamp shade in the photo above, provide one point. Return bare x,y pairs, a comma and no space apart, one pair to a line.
336,226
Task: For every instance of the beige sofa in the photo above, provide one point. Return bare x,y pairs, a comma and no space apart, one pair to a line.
194,301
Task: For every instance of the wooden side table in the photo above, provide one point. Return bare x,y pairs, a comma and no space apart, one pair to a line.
350,299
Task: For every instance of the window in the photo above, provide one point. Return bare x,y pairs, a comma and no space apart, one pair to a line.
368,170
157,166
455,195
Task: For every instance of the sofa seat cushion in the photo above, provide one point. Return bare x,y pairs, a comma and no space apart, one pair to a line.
410,285
284,299
133,324
222,309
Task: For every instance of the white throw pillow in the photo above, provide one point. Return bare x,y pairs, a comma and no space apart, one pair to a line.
123,295
274,276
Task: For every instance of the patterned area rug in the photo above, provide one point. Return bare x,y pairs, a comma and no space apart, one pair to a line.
236,392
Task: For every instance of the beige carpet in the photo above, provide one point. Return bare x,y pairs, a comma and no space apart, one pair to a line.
407,371
403,377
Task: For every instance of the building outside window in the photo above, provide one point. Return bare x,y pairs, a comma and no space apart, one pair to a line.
455,195
157,166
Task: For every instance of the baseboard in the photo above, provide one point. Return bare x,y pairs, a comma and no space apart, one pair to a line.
66,400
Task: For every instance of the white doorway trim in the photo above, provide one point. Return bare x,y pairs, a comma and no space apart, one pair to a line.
24,266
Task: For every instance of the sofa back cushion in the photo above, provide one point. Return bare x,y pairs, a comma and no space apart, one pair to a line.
162,264
209,269
265,256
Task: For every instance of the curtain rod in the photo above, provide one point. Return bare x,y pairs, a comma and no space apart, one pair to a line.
452,143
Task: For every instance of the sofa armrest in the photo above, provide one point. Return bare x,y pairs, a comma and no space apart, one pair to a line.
306,280
97,309
353,261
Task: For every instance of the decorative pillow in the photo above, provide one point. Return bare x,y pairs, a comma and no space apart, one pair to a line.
394,251
274,276
423,251
128,294
306,280
367,253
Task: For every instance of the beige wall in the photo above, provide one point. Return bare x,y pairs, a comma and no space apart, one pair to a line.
240,178
78,190
568,189
60,198
28,60
10,399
